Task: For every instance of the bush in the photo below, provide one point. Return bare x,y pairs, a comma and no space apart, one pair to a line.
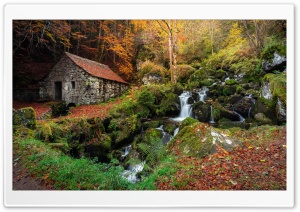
183,72
149,67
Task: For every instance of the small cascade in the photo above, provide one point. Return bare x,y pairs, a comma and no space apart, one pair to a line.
166,138
211,115
126,151
202,94
241,117
249,113
176,131
132,171
185,107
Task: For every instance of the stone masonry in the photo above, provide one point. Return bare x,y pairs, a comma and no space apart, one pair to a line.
77,85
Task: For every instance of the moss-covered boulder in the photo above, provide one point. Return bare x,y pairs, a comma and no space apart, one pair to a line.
232,124
220,74
220,112
199,140
232,99
188,121
151,134
201,111
229,90
245,107
25,116
231,82
169,128
262,119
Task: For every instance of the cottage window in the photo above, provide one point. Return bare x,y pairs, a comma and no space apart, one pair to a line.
73,84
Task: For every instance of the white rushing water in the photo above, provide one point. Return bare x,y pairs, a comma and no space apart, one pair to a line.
166,138
185,107
132,171
202,94
126,151
241,117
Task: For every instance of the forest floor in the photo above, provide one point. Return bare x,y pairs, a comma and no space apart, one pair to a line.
88,111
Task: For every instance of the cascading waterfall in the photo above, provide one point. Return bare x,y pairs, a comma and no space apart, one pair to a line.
202,94
176,131
185,107
130,174
211,115
166,136
241,117
126,151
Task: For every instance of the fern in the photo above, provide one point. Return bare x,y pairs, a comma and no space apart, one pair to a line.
153,152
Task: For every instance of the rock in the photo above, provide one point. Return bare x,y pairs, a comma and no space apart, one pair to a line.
278,62
200,140
244,106
151,134
266,91
262,119
233,99
220,74
99,147
202,111
188,121
25,116
231,124
280,111
231,82
229,90
152,78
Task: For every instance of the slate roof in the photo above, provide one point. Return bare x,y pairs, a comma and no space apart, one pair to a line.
95,69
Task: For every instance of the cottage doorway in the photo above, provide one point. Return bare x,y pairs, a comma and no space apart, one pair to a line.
58,90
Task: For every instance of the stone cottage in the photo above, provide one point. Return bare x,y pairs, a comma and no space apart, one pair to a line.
81,81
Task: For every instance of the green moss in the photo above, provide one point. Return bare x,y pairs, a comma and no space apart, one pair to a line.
44,132
231,82
220,73
151,134
194,140
25,116
229,90
206,82
277,85
188,121
169,128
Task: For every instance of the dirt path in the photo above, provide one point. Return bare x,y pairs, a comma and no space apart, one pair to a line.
22,180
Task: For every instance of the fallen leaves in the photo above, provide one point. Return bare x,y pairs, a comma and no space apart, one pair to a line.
249,168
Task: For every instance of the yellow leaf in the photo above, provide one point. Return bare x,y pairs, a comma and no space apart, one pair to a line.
263,160
250,147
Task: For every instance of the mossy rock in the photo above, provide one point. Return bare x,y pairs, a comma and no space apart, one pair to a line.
44,132
151,124
169,128
199,140
206,82
262,119
201,111
277,85
233,124
220,74
231,82
188,121
25,116
229,90
233,99
151,134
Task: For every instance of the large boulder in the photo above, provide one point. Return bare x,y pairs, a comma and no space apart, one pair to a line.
280,111
152,78
245,107
201,111
262,119
25,116
278,62
199,140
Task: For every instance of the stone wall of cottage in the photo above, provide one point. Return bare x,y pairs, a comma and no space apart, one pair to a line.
86,89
